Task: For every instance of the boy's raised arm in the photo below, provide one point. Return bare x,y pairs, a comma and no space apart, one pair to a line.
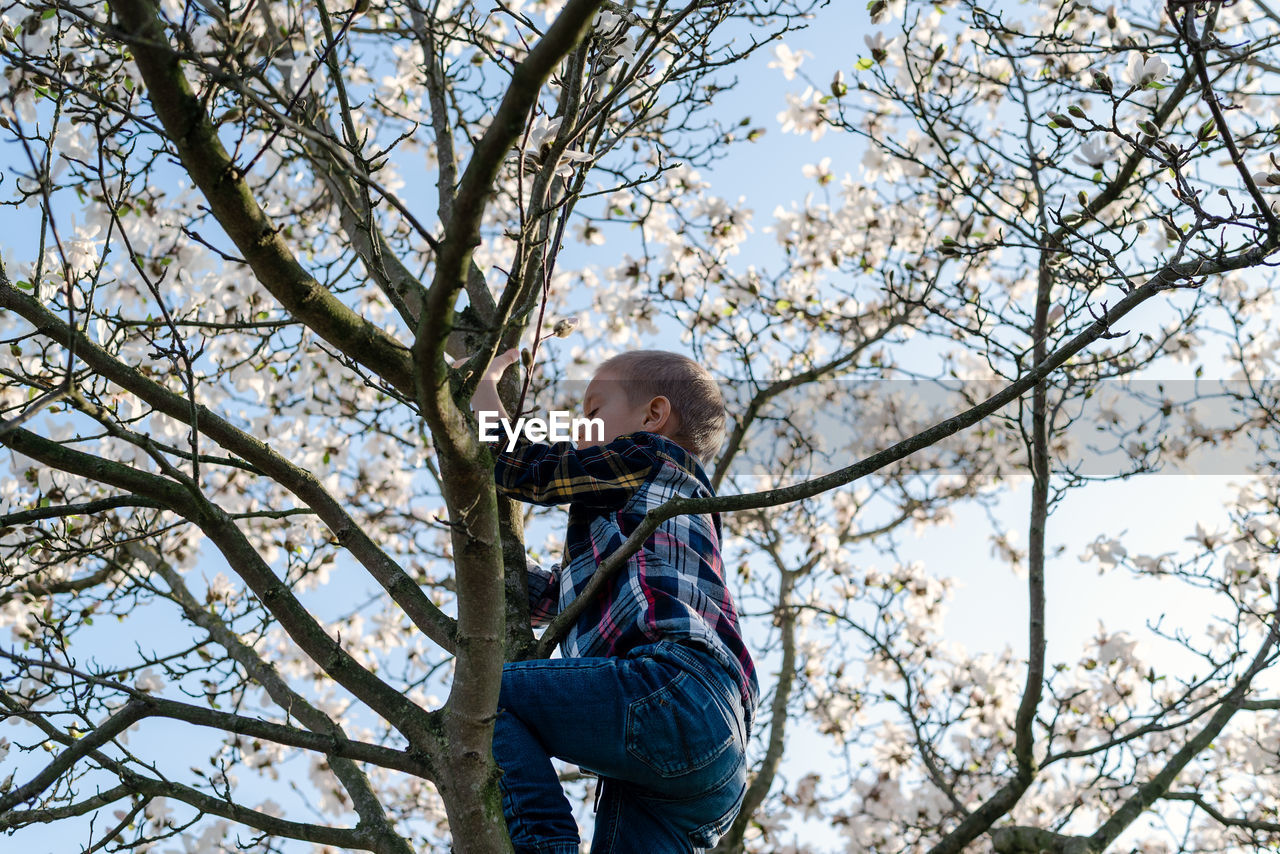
558,473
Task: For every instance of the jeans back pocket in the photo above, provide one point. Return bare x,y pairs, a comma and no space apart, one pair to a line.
679,728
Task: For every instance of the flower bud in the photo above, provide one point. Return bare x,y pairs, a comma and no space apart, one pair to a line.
564,327
838,87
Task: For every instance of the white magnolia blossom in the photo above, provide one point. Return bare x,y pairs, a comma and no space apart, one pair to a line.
805,113
787,60
1094,152
148,680
1143,70
622,45
820,171
877,43
1112,648
1106,551
624,50
159,812
542,132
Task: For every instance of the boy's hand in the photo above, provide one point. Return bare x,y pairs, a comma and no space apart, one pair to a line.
486,397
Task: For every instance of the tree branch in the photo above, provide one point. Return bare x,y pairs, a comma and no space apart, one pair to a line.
53,588
1164,279
87,508
416,724
463,232
135,783
104,732
293,704
428,618
1155,788
11,819
1247,824
332,743
188,126
1186,29
764,777
402,288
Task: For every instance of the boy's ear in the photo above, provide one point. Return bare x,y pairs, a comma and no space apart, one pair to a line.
659,415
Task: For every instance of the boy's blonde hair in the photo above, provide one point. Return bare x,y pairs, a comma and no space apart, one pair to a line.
695,398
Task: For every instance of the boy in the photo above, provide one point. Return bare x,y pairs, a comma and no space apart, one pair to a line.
656,691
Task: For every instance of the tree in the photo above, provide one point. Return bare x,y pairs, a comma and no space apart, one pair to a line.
204,364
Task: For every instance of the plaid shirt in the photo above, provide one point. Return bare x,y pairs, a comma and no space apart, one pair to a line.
672,589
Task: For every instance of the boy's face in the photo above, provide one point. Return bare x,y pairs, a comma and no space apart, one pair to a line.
606,399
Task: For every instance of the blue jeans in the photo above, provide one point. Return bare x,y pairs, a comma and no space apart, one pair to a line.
662,727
